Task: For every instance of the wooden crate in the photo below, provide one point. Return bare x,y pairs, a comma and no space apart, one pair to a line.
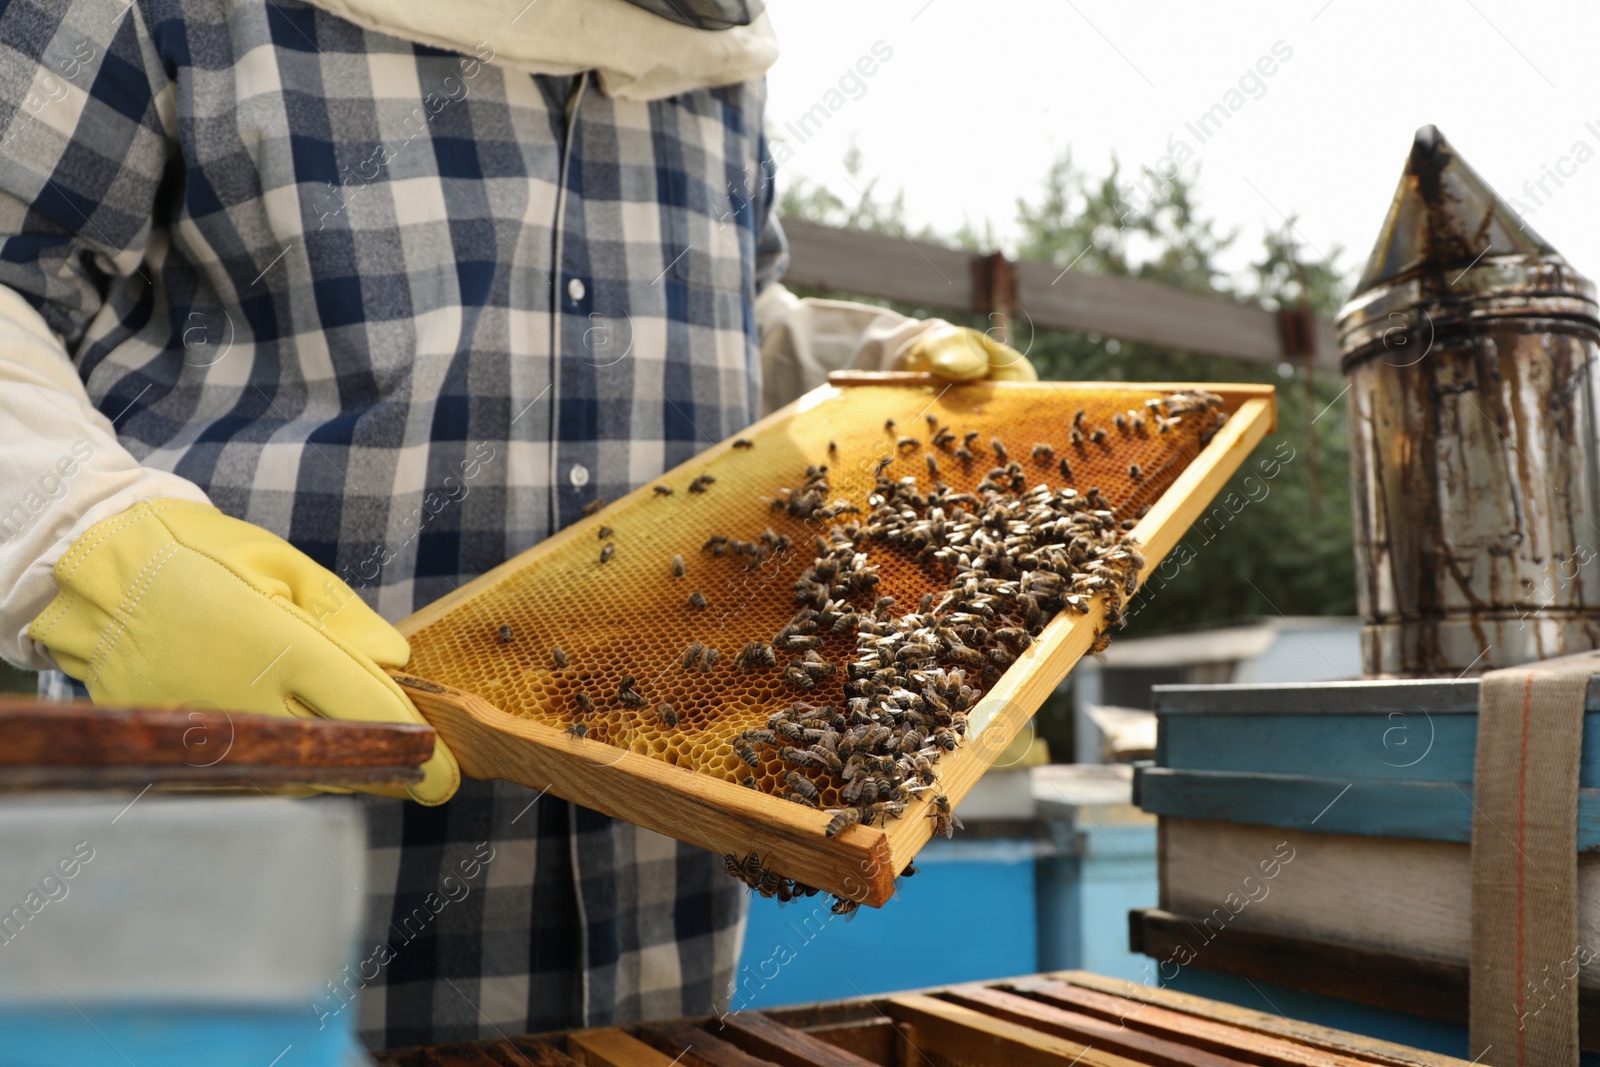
493,694
1047,1020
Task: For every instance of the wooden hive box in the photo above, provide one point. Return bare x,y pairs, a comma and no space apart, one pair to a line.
1061,1019
485,672
1358,797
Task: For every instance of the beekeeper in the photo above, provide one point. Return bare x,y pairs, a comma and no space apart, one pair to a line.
311,312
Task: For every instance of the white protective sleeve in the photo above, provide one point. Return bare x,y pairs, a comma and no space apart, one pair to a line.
61,471
803,339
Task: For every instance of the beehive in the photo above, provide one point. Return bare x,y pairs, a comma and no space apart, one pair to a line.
623,614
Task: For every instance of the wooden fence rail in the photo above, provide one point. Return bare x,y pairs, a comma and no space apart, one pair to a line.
916,272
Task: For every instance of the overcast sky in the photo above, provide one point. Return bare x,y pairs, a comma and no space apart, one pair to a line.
977,99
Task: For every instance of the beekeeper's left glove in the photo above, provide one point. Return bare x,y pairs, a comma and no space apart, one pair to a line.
173,602
962,354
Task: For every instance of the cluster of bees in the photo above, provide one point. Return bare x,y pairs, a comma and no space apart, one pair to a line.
1016,556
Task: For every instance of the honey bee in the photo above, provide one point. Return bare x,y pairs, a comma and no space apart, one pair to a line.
803,786
1138,423
1077,418
829,760
963,455
843,818
1098,437
882,465
593,506
583,702
578,729
1065,468
1077,439
691,655
628,694
1120,421
607,552
667,714
799,757
923,769
800,678
945,738
605,532
946,821
731,864
700,483
746,752
750,782
708,659
833,448
943,438
1134,472
505,634
909,872
933,466
1043,453
999,449
697,600
559,657
933,421
804,641
662,490
888,425
1101,643
907,444
740,442
678,568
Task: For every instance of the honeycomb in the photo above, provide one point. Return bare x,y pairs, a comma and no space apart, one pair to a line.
604,592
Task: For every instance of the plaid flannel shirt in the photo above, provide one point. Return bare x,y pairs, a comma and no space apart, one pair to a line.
410,311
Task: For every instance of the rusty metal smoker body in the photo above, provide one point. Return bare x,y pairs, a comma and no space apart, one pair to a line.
1470,350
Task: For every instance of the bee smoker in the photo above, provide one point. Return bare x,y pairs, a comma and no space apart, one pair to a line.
1469,349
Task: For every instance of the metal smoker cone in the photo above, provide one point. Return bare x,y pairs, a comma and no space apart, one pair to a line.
1443,219
1469,347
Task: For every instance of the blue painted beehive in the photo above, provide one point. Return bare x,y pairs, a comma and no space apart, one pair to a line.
1319,835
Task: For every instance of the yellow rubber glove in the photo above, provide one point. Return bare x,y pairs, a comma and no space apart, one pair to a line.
173,602
962,354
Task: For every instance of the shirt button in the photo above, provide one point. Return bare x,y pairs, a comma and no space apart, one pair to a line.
575,289
578,475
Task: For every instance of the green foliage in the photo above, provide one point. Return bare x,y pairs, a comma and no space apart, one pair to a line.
1287,548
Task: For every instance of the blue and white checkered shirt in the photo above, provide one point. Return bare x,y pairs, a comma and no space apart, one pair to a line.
411,311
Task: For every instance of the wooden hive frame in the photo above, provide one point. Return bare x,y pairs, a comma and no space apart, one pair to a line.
861,863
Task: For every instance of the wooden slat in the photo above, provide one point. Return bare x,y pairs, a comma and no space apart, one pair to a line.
916,272
870,1039
613,1048
696,1047
83,746
527,1052
760,1036
463,1055
40,734
1192,1010
1215,1037
1145,1048
967,1036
